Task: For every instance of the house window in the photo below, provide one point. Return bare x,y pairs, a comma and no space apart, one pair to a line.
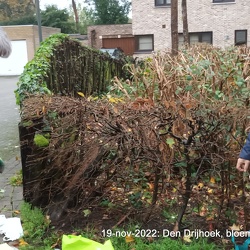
197,37
144,43
240,37
223,1
162,2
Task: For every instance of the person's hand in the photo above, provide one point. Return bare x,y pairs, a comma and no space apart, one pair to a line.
242,165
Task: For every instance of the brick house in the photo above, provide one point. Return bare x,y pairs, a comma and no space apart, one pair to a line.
219,22
112,36
24,41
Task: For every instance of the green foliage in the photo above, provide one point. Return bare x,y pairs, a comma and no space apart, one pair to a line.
36,229
24,20
38,235
217,74
15,9
48,69
59,18
86,17
135,199
162,244
27,123
110,11
50,17
32,80
17,179
41,141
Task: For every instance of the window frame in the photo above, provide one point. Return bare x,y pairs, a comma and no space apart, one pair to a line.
224,1
137,38
164,4
200,35
235,43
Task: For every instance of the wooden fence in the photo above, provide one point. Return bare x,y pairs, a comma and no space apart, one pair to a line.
76,68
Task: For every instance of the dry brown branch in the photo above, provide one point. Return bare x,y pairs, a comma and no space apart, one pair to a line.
109,152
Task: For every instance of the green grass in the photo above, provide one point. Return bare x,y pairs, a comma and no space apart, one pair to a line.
40,236
162,244
36,229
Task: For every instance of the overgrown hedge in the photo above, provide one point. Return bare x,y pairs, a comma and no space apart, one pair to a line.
183,117
33,78
63,66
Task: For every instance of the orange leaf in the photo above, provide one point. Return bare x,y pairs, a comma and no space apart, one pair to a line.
44,110
210,191
22,242
129,238
212,180
151,186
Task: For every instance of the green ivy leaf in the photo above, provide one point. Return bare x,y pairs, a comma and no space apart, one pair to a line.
170,142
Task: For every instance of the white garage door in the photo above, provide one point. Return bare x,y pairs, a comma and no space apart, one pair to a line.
13,65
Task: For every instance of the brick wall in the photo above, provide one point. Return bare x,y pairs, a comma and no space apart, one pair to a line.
30,34
203,15
97,32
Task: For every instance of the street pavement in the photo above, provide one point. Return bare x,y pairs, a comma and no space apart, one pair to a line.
10,196
9,118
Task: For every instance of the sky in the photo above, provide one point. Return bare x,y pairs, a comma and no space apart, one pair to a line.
61,4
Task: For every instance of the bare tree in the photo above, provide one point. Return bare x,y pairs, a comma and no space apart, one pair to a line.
5,45
76,14
185,22
174,27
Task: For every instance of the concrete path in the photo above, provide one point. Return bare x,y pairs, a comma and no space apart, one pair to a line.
9,118
10,196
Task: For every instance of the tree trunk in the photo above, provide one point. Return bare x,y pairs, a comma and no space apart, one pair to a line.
185,22
174,27
76,15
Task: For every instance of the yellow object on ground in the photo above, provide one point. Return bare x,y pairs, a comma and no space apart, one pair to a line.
73,242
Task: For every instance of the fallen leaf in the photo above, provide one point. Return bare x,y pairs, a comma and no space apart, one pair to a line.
187,238
209,218
16,212
86,212
80,94
47,219
115,110
210,191
129,238
240,193
203,211
170,142
200,185
44,110
212,180
22,242
235,227
151,186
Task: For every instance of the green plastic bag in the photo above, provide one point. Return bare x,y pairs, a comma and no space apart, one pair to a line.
73,242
